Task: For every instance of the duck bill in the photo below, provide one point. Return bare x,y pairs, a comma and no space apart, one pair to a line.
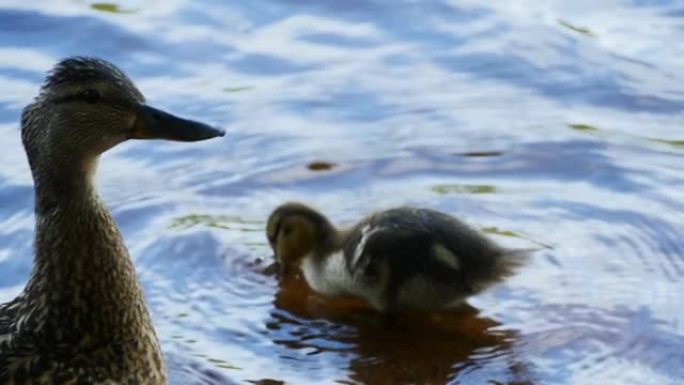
152,123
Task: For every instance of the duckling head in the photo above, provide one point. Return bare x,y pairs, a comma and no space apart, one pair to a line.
295,231
87,106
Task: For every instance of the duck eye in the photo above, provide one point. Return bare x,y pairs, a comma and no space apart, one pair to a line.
91,96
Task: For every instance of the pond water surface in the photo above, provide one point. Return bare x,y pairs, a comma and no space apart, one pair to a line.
550,124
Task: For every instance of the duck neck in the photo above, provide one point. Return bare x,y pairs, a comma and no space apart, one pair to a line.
63,182
83,289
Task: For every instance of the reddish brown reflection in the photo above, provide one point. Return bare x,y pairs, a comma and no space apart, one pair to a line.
423,348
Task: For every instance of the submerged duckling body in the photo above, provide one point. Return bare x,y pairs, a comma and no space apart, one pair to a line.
82,318
402,258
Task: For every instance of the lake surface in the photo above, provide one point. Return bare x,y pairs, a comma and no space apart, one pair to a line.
554,125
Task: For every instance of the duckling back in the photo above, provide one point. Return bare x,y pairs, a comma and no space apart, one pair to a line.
420,258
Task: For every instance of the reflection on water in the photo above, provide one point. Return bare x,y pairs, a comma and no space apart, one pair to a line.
423,348
551,125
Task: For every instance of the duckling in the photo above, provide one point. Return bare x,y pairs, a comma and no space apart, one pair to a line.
82,318
399,259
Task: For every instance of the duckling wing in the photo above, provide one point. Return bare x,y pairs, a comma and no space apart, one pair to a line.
401,249
401,243
418,242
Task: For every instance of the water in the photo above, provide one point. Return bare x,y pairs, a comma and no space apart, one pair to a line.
548,124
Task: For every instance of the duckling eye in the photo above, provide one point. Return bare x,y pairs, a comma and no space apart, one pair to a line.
286,231
91,96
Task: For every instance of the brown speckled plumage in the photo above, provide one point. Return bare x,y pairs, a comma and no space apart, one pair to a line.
82,319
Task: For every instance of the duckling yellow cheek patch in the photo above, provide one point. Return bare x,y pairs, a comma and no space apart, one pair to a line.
305,236
272,228
281,253
287,251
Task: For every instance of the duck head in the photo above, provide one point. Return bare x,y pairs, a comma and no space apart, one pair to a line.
294,231
87,106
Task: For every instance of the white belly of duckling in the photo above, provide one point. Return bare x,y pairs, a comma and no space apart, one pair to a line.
331,277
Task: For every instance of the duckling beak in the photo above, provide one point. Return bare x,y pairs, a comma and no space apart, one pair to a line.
152,123
280,270
272,269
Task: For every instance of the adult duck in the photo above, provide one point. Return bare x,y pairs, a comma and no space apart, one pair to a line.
397,259
82,318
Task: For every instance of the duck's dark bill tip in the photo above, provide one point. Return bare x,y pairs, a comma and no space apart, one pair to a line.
152,123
